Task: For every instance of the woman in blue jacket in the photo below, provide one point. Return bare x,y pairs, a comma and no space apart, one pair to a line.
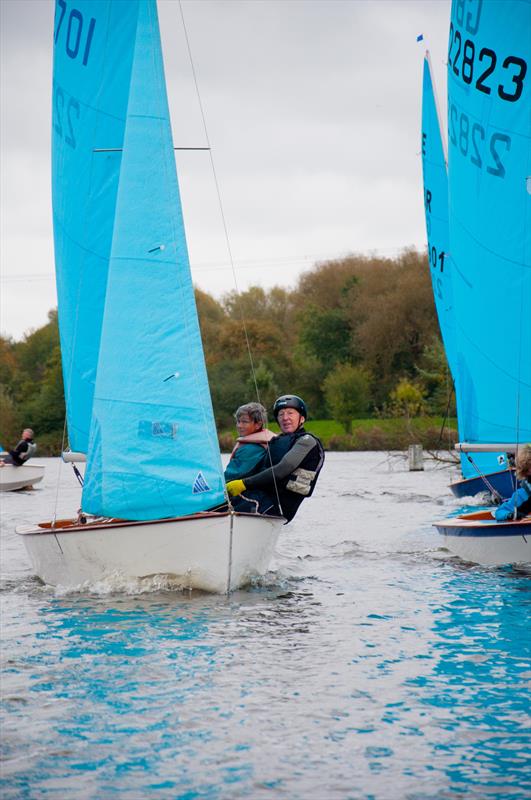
519,505
249,454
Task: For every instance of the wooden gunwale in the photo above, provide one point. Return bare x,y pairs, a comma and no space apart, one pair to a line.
73,526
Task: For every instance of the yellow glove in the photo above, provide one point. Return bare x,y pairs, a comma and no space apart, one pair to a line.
235,487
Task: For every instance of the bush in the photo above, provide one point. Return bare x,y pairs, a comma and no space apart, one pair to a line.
341,443
374,439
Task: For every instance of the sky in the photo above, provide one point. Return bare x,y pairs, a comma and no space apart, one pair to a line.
312,111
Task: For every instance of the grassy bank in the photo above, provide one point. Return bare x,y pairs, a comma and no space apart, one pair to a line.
374,434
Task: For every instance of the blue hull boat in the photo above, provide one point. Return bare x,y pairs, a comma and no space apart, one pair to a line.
503,483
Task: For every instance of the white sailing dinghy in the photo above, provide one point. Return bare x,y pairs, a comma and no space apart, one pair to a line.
137,396
13,478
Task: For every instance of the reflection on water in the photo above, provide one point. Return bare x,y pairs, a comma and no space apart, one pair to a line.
363,665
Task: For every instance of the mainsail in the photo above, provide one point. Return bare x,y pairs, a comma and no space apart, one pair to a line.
435,178
436,210
489,131
152,450
93,52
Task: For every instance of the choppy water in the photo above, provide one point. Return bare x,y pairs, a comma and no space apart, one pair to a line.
367,664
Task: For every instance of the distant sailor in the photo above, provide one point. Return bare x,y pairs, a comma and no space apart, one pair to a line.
249,454
24,450
519,504
296,460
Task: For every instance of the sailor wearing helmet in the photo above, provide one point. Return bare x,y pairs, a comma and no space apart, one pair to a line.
296,458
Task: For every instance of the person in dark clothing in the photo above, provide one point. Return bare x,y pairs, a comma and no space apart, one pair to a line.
519,504
296,458
23,450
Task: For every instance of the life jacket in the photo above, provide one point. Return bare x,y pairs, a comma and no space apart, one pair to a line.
301,482
20,457
259,437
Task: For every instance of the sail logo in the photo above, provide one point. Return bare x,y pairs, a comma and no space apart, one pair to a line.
200,484
147,429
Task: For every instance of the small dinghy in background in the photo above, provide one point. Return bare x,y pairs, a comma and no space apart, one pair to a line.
26,476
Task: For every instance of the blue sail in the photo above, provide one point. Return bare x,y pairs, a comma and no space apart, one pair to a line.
489,132
93,52
153,449
435,178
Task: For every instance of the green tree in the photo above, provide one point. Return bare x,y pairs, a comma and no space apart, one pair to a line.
435,375
325,334
263,381
408,398
32,355
347,392
45,410
10,425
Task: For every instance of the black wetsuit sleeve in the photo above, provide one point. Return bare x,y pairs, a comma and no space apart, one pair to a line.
285,466
18,452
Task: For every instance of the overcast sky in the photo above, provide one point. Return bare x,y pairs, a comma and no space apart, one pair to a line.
313,114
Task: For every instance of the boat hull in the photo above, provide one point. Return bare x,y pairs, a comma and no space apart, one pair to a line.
13,478
479,539
503,482
214,552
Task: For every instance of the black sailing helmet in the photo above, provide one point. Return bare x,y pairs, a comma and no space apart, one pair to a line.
290,401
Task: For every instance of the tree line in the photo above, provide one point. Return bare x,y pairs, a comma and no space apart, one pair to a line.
356,337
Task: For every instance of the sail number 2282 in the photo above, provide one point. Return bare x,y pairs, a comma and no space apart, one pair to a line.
72,29
484,150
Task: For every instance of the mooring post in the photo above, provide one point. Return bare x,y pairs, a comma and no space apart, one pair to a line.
416,457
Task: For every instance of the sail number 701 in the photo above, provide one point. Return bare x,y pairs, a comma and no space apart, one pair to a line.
72,29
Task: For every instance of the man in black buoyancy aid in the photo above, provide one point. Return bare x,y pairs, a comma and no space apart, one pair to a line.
296,460
23,450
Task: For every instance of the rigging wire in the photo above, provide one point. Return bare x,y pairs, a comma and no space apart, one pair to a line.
226,234
218,193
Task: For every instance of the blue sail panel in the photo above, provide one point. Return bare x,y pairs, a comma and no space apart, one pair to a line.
93,51
435,180
153,449
489,132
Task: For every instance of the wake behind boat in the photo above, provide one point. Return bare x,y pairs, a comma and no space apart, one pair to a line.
136,389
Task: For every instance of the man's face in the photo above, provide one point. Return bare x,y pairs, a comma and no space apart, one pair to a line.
245,425
289,420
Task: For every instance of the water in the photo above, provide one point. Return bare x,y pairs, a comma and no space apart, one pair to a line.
367,663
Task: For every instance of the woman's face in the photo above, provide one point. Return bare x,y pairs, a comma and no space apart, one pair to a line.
245,425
